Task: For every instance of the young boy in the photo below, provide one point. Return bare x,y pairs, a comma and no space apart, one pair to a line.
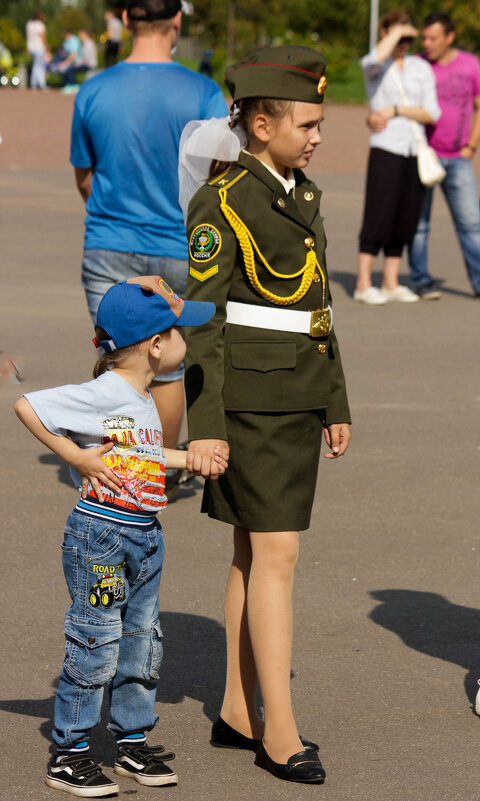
109,431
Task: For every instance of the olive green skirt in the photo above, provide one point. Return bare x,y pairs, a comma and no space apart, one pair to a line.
272,474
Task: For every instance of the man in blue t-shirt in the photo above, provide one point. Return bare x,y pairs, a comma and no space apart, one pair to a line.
126,130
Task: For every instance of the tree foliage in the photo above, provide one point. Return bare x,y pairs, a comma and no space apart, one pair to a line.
234,27
341,28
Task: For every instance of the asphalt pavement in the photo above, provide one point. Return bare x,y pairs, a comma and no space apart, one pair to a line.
387,621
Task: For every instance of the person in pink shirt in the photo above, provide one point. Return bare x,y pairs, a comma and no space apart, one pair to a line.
454,138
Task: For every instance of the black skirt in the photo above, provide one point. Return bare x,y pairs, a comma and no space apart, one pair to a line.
272,474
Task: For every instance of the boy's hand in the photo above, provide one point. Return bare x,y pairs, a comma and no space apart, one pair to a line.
90,465
208,457
337,437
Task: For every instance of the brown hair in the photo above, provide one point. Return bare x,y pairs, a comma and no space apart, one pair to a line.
444,19
162,26
114,358
246,111
111,358
397,16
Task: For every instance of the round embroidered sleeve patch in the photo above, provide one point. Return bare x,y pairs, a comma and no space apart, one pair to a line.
205,243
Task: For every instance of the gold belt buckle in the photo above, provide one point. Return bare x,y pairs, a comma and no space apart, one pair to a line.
320,322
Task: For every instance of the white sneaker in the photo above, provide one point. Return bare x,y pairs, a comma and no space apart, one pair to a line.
371,296
400,293
477,700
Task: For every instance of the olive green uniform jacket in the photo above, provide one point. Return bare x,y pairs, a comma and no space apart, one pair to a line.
243,369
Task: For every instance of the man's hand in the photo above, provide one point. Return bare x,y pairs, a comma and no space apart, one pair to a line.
467,152
337,437
90,465
202,457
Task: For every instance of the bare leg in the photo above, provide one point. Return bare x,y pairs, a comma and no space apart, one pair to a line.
270,622
365,264
170,402
239,703
391,270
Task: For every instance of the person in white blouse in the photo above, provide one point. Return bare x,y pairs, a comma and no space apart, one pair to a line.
38,49
400,88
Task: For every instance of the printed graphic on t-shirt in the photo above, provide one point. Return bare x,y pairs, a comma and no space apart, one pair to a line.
135,460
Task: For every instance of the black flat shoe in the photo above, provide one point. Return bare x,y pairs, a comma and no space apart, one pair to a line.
223,736
302,767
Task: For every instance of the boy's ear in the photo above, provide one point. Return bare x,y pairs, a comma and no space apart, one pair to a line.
155,346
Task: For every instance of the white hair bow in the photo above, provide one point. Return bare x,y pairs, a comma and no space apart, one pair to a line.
203,141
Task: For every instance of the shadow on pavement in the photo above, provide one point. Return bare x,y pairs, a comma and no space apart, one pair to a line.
349,280
193,661
63,468
429,623
193,667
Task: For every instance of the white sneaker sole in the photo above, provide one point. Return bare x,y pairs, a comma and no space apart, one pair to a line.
407,297
477,701
81,792
375,299
150,781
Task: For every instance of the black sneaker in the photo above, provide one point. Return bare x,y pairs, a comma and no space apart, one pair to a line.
428,292
145,764
79,775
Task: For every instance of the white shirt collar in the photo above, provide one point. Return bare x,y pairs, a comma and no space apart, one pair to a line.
288,183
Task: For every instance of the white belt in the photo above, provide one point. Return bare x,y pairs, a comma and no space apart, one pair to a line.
298,322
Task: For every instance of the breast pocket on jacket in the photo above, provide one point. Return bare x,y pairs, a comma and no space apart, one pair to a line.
256,374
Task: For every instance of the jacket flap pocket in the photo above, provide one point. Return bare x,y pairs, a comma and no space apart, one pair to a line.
263,356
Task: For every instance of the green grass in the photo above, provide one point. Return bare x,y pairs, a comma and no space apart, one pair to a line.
348,87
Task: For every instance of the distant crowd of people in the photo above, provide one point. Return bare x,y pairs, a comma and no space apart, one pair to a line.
77,54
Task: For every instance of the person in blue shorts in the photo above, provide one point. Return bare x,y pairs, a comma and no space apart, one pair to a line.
126,129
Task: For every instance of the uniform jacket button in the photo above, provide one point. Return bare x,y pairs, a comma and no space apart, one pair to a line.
322,348
281,202
310,242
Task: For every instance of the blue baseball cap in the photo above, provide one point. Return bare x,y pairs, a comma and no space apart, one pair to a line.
139,308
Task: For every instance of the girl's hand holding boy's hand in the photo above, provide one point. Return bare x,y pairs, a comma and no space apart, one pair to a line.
337,437
90,465
208,457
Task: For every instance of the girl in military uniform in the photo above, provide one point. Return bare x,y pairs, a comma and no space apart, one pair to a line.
265,376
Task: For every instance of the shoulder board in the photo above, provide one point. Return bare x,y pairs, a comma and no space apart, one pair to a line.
228,178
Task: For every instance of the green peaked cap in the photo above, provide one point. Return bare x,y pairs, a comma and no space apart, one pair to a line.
289,72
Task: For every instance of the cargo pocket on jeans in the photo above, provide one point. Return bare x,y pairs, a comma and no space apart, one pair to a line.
91,651
154,659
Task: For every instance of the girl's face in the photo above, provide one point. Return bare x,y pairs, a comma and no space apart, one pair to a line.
172,351
293,139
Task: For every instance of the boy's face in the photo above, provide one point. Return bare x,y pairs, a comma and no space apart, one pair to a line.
172,351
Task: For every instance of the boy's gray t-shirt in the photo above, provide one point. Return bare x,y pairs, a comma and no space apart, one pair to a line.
109,409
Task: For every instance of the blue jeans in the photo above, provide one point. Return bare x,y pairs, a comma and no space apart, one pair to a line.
101,269
461,194
112,631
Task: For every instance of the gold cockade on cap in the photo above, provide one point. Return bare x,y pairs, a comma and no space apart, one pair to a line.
322,85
